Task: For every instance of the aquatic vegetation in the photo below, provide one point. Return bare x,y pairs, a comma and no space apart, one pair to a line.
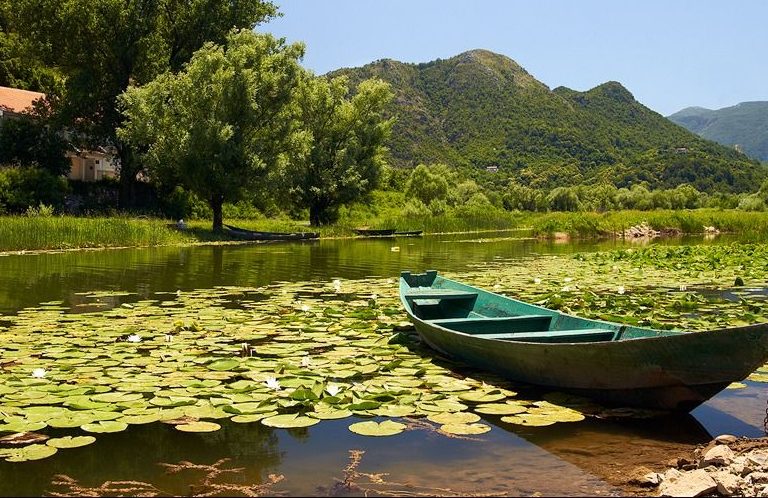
290,355
209,483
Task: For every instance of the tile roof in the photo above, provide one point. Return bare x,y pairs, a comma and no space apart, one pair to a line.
15,100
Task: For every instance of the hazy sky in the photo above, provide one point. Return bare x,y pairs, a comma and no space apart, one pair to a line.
669,53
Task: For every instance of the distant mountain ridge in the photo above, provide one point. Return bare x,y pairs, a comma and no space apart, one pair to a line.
744,125
480,109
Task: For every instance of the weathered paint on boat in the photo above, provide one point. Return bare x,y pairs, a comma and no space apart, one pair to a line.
614,363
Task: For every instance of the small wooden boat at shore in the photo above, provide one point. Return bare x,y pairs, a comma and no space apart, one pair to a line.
611,362
242,233
385,232
412,233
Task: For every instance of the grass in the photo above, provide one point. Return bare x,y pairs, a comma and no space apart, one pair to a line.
19,233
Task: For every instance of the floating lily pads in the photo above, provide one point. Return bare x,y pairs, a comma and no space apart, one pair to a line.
371,428
499,408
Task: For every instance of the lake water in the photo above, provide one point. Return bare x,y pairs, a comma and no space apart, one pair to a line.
584,458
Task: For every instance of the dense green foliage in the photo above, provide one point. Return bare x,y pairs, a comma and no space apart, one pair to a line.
100,47
744,125
219,126
21,188
481,109
344,145
30,140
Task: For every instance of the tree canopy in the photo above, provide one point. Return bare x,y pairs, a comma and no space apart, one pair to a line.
103,46
222,124
344,144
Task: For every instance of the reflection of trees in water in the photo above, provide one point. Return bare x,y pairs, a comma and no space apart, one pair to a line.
31,279
135,454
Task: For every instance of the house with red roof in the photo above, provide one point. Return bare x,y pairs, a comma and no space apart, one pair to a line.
87,165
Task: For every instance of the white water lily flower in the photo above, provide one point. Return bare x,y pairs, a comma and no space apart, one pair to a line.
537,280
395,248
272,383
390,281
337,285
305,361
567,279
134,338
614,267
621,289
38,373
168,337
333,389
567,288
496,287
683,287
305,307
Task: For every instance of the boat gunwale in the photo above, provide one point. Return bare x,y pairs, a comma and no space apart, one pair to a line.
667,334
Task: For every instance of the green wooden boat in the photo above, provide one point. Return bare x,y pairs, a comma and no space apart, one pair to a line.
611,362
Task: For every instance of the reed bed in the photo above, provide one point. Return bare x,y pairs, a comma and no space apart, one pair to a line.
19,233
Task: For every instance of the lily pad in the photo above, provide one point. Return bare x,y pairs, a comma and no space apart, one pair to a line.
465,429
104,426
499,409
31,452
289,421
198,427
371,428
453,418
70,441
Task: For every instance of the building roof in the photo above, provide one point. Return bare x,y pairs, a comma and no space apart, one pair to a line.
18,101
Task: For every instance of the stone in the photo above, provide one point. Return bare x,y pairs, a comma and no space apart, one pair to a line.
694,483
758,477
718,456
643,476
757,461
727,483
725,439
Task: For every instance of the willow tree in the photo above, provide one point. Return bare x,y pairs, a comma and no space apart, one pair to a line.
344,139
219,126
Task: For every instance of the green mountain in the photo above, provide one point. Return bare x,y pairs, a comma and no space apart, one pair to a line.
744,125
480,109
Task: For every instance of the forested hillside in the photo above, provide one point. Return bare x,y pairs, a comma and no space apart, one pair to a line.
480,109
744,125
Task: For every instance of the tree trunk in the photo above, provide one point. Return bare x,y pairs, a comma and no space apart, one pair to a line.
216,201
127,193
314,215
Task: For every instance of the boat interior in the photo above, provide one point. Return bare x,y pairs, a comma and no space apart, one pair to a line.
467,310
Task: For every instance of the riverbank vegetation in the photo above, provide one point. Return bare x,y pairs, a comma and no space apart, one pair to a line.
40,229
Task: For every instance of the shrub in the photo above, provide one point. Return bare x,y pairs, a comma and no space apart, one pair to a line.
21,188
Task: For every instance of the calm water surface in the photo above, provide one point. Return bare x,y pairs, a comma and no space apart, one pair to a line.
565,459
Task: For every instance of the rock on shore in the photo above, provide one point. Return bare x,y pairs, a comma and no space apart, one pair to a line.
727,466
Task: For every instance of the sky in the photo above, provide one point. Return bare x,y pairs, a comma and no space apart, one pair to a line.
670,54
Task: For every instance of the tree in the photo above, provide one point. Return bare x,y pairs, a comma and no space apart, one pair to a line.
344,138
221,125
427,186
103,46
31,140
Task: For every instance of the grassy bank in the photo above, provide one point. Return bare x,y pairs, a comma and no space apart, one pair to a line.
585,225
19,233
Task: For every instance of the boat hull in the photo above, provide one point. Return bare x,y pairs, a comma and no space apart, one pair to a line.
253,235
670,371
